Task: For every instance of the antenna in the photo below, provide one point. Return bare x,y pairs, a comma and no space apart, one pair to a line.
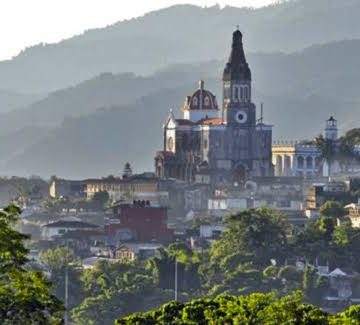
261,119
176,280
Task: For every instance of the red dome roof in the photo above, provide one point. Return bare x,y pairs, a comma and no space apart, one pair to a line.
201,99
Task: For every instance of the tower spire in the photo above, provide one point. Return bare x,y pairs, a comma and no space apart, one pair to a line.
237,68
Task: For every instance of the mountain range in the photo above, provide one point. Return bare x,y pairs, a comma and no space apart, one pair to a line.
178,34
104,116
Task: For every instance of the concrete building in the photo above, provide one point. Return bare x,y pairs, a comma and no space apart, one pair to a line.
66,225
138,221
296,159
303,158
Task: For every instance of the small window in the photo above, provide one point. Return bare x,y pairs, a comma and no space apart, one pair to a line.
235,93
195,101
170,144
246,93
206,101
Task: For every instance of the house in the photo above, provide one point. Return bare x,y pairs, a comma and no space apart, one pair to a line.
139,221
65,226
340,283
65,188
354,214
125,253
211,231
145,184
131,251
319,193
90,262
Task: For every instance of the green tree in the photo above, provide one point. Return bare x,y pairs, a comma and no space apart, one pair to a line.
248,310
327,149
351,316
117,288
25,296
260,233
59,261
102,198
332,209
314,285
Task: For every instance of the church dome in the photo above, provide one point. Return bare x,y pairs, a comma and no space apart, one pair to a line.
201,99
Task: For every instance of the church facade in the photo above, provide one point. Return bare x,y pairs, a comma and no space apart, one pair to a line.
214,144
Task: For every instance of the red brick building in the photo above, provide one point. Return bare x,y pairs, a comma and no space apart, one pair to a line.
139,221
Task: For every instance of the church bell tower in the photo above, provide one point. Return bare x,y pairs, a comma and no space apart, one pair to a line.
238,110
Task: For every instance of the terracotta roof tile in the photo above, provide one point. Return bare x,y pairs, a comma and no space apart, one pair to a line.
211,121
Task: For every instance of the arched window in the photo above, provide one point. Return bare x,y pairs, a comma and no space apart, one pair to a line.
241,93
309,162
246,91
300,162
206,101
235,93
195,101
170,143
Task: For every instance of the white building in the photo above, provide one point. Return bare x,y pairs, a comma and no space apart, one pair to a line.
209,231
61,227
303,158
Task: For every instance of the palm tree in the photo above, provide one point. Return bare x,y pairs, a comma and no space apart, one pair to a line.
328,150
341,149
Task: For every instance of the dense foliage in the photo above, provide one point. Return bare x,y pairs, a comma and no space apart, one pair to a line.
25,296
254,309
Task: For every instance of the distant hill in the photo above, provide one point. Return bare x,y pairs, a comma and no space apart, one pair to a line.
10,100
300,91
179,34
100,92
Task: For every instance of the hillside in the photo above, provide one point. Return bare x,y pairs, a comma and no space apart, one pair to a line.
10,100
322,71
160,38
105,90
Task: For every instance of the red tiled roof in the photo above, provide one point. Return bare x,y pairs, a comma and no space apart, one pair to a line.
211,121
201,98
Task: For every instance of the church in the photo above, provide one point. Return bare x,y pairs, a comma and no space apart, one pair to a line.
215,144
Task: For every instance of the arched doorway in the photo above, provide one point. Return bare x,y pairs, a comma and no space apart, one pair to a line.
239,174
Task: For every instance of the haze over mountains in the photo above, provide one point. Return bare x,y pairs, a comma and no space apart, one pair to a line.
106,115
182,33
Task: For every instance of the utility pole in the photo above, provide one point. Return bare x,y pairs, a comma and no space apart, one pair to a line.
66,316
176,280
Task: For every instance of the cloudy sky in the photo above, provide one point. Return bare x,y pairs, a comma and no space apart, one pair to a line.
27,22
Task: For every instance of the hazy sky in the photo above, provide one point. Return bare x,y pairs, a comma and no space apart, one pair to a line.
28,22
